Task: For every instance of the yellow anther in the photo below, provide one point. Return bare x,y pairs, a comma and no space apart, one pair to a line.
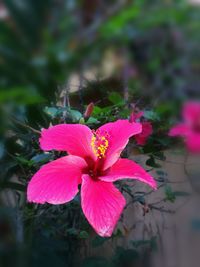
99,145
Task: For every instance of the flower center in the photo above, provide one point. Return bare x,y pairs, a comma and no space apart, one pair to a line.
93,174
100,143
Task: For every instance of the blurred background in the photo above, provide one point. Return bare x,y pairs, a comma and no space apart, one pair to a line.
56,57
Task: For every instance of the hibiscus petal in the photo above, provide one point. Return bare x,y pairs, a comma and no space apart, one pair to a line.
193,143
128,169
179,130
102,204
73,138
119,132
191,111
147,130
56,182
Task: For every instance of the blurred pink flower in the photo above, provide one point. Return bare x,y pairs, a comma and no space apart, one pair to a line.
147,128
93,161
189,129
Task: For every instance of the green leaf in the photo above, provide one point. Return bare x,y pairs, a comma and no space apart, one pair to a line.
72,231
51,111
92,120
151,162
83,235
24,161
41,158
55,112
97,110
115,98
75,115
170,196
151,115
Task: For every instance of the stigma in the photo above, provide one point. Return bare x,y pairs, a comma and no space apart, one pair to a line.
100,143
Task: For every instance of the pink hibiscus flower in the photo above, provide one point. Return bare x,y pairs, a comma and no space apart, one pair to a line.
189,129
93,162
147,128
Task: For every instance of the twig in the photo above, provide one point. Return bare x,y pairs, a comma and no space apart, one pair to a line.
161,209
26,126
